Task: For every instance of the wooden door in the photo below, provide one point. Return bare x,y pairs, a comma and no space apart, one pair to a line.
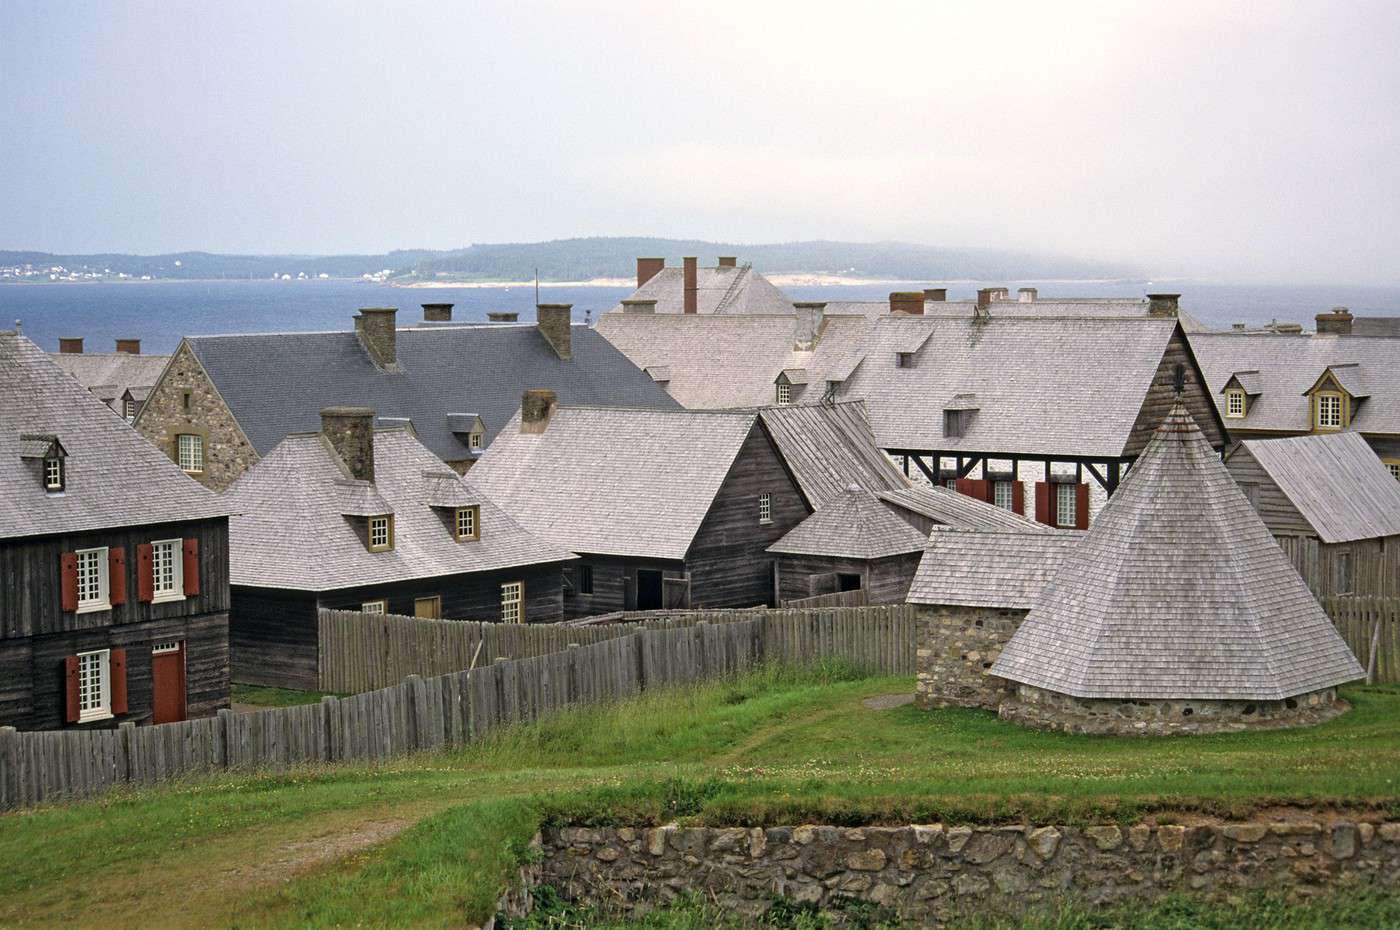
648,589
428,608
168,682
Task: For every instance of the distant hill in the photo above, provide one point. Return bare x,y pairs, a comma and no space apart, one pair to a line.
613,257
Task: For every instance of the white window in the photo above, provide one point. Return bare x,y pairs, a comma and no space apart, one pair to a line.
1234,403
165,648
476,440
94,685
92,580
1003,495
381,533
1066,505
374,607
951,484
1394,469
167,570
765,508
513,602
191,453
784,392
129,409
466,523
53,474
1329,411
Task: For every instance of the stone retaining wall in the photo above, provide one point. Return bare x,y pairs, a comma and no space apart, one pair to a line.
936,872
956,647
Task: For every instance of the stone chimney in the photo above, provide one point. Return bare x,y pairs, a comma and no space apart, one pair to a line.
808,330
692,285
985,296
129,346
728,261
648,268
1001,293
536,407
1335,322
1162,305
503,316
375,327
638,306
350,431
936,294
1238,327
556,326
907,303
70,345
437,313
1027,295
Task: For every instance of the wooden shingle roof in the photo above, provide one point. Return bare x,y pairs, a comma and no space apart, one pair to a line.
853,526
719,290
989,568
960,511
828,447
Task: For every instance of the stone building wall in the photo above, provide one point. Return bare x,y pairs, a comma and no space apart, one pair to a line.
164,415
1048,710
937,872
956,647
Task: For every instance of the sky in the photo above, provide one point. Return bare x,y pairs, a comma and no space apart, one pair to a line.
1236,141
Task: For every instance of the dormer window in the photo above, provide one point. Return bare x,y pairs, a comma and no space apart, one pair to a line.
467,523
381,533
784,394
53,474
1394,466
475,441
1329,410
1235,403
904,360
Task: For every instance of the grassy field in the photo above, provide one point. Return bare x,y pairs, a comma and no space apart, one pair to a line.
428,841
266,696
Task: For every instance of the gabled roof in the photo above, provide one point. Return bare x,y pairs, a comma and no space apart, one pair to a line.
853,526
1248,381
1349,376
1048,307
829,447
737,290
276,383
292,530
989,568
112,477
615,480
40,446
953,509
1335,480
111,374
1177,591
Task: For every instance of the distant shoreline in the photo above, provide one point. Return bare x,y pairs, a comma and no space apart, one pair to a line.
785,279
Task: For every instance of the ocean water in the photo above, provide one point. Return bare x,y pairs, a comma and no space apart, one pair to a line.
160,312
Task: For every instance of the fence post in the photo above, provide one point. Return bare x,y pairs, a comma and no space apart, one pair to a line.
414,711
226,724
572,696
330,721
126,739
9,768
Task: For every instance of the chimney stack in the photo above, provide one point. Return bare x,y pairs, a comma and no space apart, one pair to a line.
937,295
907,303
350,431
985,296
1027,295
536,407
70,345
1238,327
1001,293
437,313
648,268
129,346
1162,305
556,326
638,306
1335,322
728,261
809,324
375,327
503,316
692,285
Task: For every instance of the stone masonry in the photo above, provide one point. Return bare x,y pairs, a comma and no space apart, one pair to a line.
936,872
956,647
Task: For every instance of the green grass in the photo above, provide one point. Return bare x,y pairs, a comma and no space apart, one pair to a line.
426,840
266,696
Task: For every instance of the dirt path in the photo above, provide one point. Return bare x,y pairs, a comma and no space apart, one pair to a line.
887,701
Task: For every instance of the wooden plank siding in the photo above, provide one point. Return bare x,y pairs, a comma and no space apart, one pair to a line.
1272,505
1161,395
885,581
1374,565
614,583
272,637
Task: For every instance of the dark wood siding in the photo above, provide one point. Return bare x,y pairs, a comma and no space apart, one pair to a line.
886,581
1273,506
272,637
475,596
614,584
1375,565
1161,394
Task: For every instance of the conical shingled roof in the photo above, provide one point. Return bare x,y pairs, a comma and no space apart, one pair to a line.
1178,591
855,525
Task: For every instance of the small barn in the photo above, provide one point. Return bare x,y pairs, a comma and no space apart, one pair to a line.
1333,506
1176,613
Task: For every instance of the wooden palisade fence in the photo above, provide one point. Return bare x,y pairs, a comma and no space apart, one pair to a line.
1371,627
451,709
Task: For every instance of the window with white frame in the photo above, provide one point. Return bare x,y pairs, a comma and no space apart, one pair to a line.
1003,495
951,484
467,523
1394,466
129,409
1234,403
375,607
1066,505
475,440
784,392
167,570
53,474
381,533
1329,411
93,591
190,452
513,602
765,507
94,685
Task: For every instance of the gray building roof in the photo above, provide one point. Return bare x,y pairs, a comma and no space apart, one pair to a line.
950,508
1337,483
1376,326
109,375
828,447
1290,365
1050,307
615,481
855,525
291,529
989,568
277,383
113,477
721,290
1177,591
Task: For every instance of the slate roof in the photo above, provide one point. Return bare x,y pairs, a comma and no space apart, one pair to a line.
1335,480
828,447
113,477
112,374
1376,326
997,568
1290,365
615,481
292,532
855,525
1050,307
277,383
953,509
739,290
1177,591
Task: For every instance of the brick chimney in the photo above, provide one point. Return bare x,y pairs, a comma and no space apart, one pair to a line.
503,316
375,327
692,285
1027,295
908,303
1001,293
350,431
437,313
728,261
1162,305
638,306
556,326
809,324
536,407
70,345
129,346
1335,322
648,268
937,295
985,296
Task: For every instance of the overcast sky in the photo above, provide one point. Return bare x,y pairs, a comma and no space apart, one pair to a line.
1236,140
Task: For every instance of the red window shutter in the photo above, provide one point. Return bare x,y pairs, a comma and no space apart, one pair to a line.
118,672
979,488
191,567
1018,497
145,573
69,565
1081,506
70,688
1045,503
116,575
984,490
964,486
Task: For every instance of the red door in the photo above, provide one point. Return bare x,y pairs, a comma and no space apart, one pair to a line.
168,682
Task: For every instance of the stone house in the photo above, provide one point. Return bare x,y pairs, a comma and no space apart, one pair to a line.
114,592
359,518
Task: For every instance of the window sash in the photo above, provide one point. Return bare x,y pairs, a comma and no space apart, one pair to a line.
380,533
784,395
1003,495
374,607
191,453
94,685
765,507
53,474
1329,411
93,592
1066,504
167,569
466,523
512,602
1394,469
475,440
1234,403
